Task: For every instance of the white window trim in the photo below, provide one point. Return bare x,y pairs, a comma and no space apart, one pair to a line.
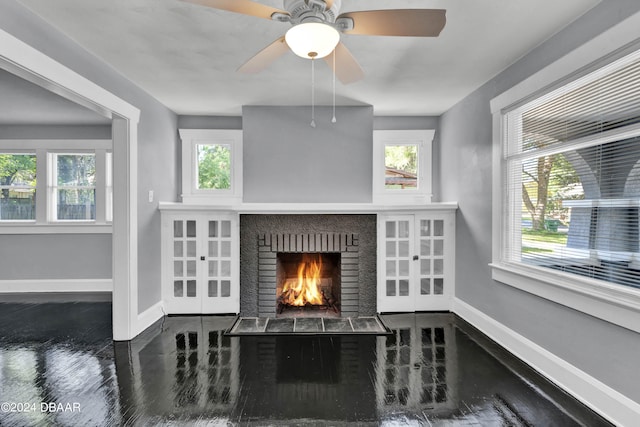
44,222
424,140
190,193
614,303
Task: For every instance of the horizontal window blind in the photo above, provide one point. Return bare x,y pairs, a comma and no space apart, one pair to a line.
573,177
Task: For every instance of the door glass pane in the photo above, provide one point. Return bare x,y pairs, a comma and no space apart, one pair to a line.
403,248
425,247
425,227
213,248
438,266
225,228
225,288
213,268
425,266
191,269
391,249
403,228
438,247
438,227
177,249
177,228
225,268
403,288
213,288
213,228
178,268
391,269
391,288
191,288
225,249
403,267
191,229
438,286
425,286
177,288
191,249
391,229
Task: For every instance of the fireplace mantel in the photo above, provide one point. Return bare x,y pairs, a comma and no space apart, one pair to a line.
307,208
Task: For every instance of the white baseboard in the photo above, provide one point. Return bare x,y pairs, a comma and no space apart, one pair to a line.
609,403
55,285
149,317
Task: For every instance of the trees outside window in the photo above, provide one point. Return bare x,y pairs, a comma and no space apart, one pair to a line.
214,166
17,186
74,186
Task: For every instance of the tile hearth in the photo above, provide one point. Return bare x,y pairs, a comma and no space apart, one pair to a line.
371,325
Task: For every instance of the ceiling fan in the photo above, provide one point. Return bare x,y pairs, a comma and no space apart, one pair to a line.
317,26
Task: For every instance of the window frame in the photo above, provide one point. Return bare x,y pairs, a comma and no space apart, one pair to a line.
614,303
191,194
44,222
423,139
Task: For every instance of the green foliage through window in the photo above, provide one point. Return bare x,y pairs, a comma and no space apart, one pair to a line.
17,186
401,166
214,166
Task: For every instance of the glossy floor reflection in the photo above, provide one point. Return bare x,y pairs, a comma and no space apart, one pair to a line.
434,370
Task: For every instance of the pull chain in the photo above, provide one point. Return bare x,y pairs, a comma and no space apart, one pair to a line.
333,119
313,93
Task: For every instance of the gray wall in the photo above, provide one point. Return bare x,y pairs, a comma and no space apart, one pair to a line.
75,256
607,352
287,160
157,135
55,132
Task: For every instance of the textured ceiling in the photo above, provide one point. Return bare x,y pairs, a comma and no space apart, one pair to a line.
186,55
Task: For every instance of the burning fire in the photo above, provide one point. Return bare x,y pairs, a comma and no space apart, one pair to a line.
304,289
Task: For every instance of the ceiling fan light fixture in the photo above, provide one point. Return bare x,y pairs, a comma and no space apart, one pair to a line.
311,40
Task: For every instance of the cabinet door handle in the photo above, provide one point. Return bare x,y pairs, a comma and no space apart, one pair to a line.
416,257
201,258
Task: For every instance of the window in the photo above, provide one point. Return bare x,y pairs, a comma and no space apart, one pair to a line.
72,186
17,186
51,182
402,166
211,166
571,162
213,163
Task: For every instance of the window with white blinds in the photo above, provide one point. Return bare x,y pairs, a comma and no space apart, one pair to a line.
572,177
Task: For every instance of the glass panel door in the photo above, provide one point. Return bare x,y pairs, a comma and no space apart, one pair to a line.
394,282
434,238
184,294
219,287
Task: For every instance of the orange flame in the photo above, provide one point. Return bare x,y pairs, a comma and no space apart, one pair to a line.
304,289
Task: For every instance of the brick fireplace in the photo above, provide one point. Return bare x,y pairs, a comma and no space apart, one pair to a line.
270,242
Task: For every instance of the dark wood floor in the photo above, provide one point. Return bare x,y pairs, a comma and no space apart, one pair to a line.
58,366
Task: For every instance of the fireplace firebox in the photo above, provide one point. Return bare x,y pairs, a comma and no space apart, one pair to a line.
308,284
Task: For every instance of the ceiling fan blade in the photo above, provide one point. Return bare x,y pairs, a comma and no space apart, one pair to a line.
245,7
397,22
347,69
265,57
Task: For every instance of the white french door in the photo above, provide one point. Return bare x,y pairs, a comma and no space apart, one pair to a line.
202,261
415,262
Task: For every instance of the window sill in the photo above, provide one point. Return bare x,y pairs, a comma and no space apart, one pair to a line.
613,303
60,228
